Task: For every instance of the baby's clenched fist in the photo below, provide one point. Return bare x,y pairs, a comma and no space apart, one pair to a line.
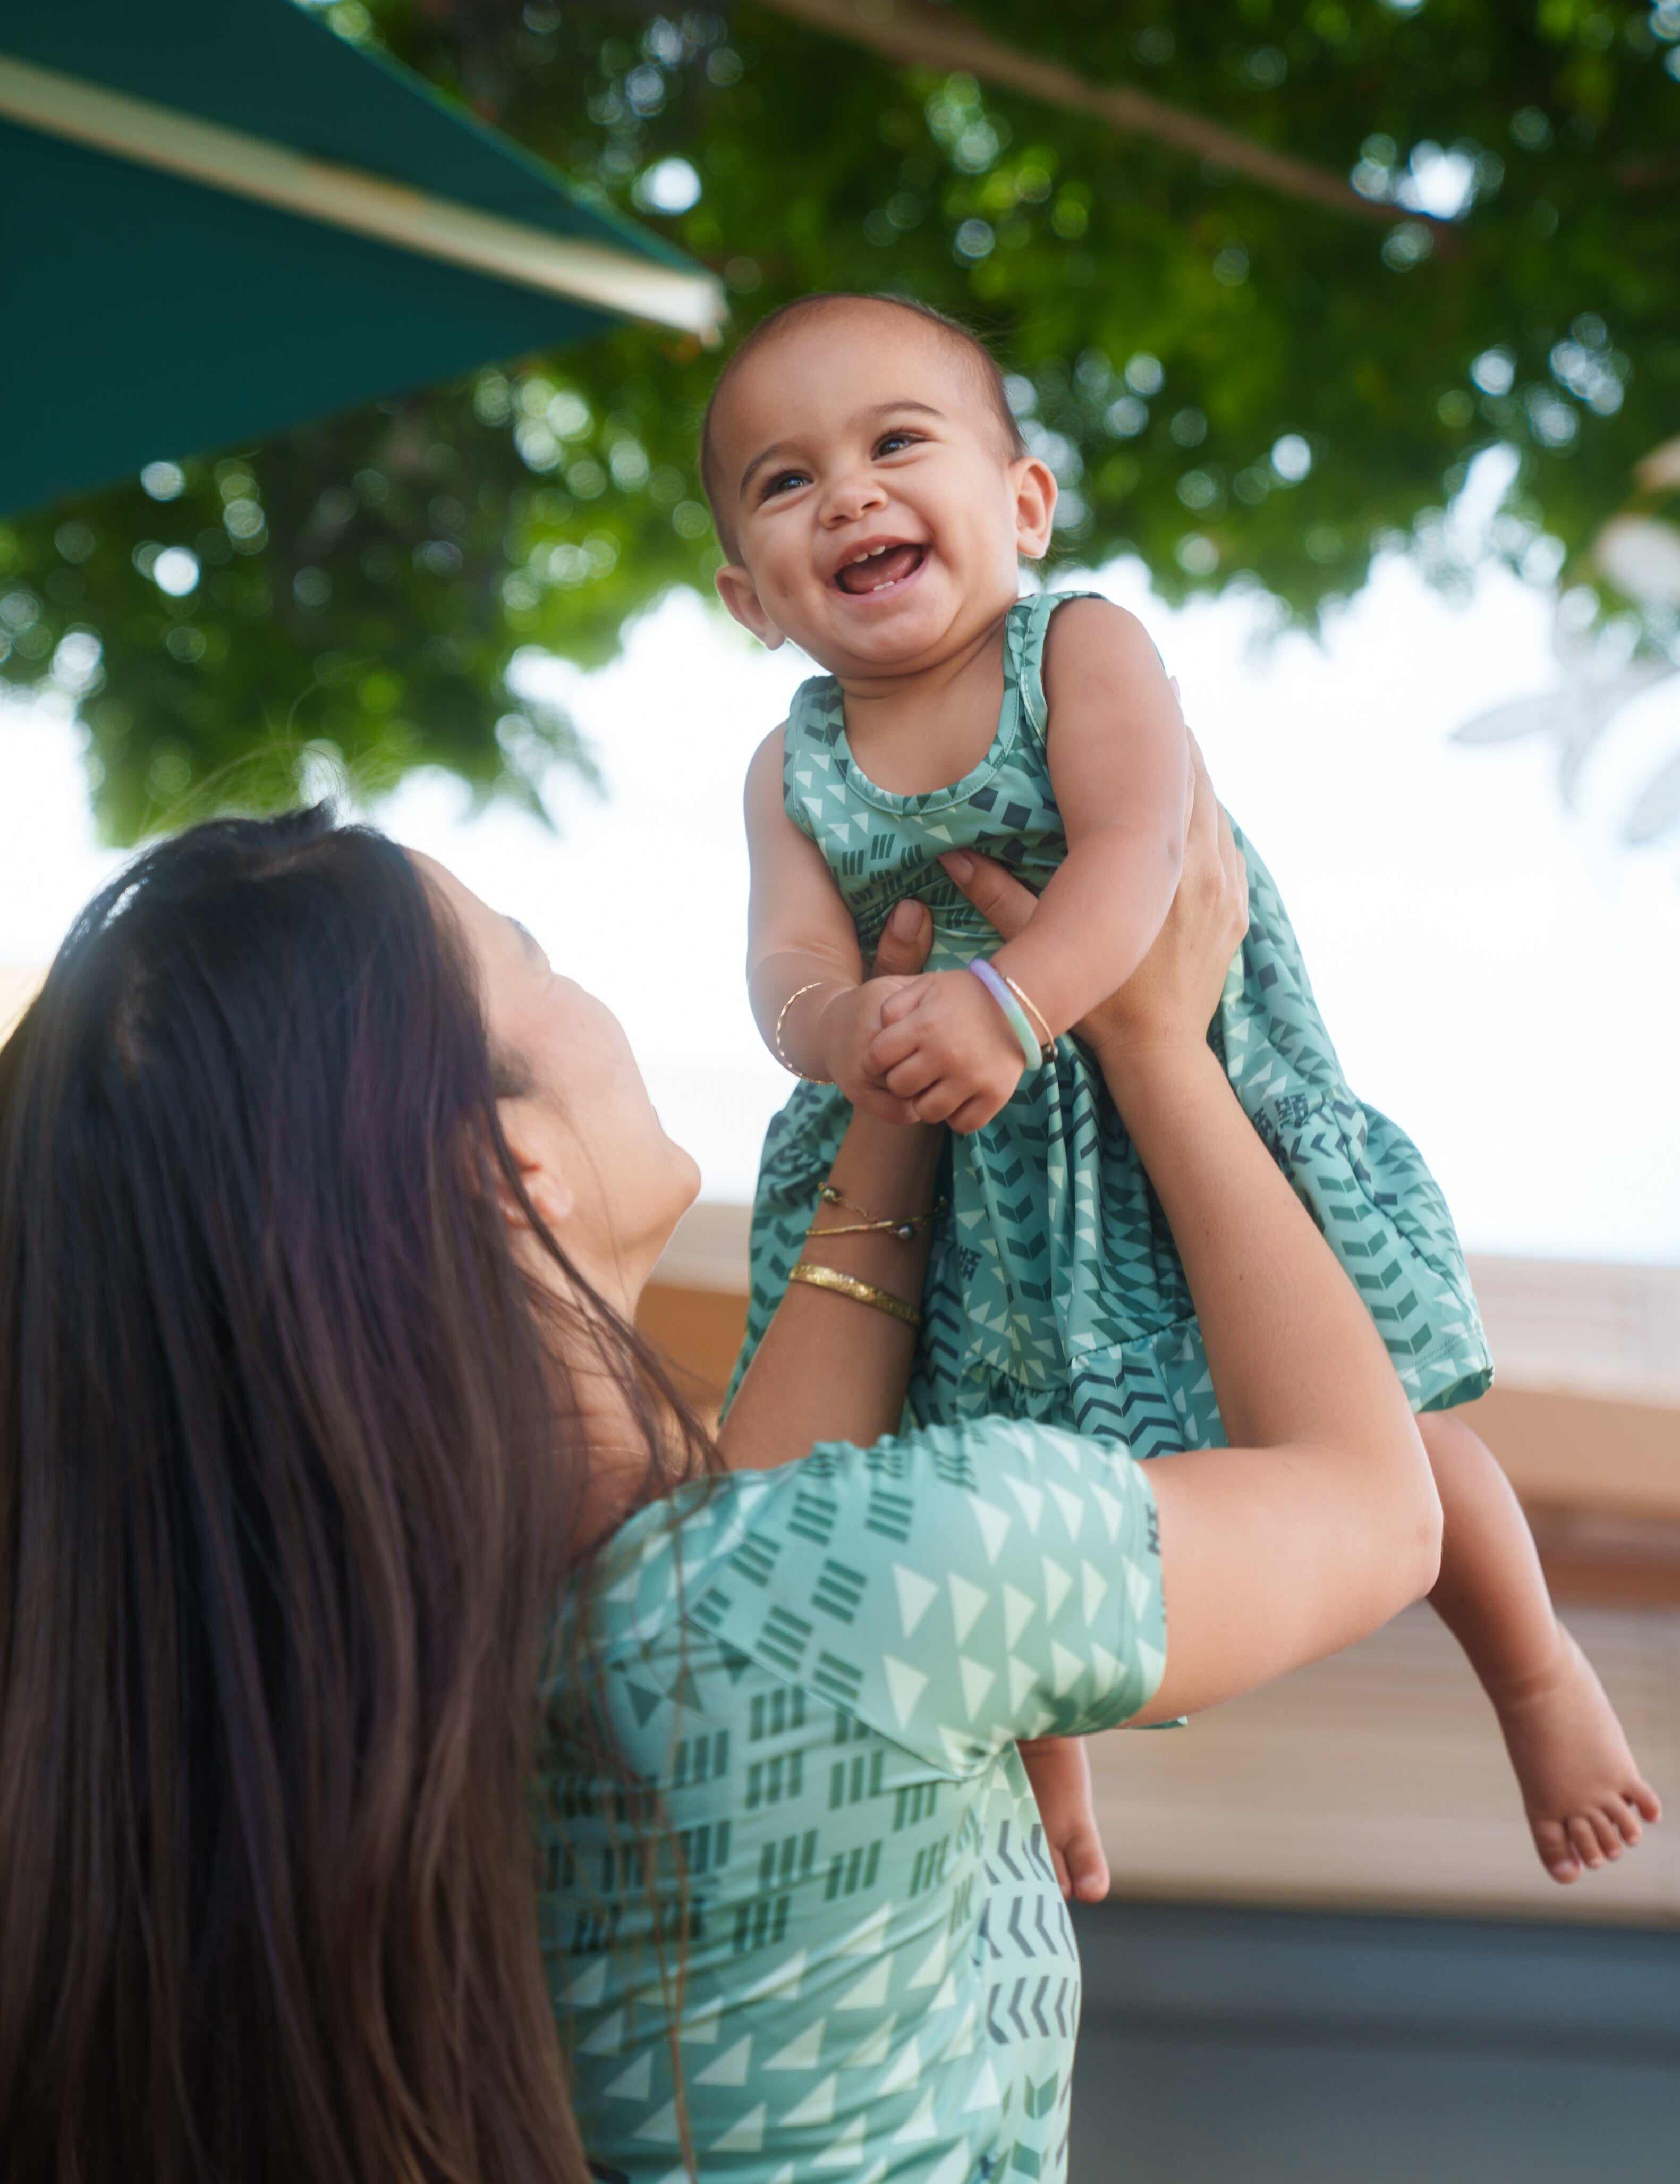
943,1046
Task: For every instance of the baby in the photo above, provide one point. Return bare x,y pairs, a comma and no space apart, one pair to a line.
874,500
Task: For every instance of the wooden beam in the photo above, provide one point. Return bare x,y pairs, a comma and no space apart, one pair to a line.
367,204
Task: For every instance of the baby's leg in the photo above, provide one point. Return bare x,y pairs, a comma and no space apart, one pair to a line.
1061,1776
1584,1797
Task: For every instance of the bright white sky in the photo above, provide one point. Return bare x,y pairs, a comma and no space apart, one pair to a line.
1497,973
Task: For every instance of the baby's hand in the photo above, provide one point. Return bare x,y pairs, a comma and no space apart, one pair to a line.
945,1044
849,1027
1061,1776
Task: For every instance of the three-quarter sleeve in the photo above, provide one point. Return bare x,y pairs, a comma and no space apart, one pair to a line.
957,1588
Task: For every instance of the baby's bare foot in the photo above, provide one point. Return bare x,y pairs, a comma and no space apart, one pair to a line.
1584,1797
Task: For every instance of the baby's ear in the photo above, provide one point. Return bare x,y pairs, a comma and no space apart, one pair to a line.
1035,505
736,588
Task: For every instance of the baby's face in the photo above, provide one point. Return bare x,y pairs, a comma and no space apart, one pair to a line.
878,516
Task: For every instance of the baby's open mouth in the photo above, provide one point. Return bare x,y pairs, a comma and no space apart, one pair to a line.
881,565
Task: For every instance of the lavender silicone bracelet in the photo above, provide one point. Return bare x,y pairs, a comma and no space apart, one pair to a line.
1015,1015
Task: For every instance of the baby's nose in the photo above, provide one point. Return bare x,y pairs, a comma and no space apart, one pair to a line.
850,497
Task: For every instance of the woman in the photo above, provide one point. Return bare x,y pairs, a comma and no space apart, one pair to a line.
323,1209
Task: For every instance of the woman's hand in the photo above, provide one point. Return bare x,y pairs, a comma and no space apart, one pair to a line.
1170,1000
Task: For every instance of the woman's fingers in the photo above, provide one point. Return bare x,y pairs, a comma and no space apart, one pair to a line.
904,943
1211,847
996,893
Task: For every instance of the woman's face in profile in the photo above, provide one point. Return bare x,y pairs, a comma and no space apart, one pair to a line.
593,1154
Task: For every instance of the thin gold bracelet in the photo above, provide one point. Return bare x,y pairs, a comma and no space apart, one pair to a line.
904,1229
776,1036
828,1278
1047,1044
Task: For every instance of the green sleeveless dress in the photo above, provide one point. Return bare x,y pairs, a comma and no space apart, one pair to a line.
1054,1291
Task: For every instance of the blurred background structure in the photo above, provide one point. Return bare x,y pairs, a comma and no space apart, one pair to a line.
1352,331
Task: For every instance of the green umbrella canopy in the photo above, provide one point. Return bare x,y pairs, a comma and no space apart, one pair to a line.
223,220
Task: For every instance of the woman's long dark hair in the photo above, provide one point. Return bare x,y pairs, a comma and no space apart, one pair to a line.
286,1502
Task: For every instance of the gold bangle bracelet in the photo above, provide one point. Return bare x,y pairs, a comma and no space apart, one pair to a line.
1047,1043
828,1278
776,1036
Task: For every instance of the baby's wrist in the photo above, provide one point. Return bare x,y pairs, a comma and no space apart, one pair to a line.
832,1030
798,1038
1038,991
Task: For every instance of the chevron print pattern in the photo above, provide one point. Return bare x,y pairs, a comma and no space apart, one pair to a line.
1055,1292
829,1836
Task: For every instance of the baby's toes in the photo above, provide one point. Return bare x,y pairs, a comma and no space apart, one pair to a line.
1584,1837
1557,1852
1625,1818
1644,1800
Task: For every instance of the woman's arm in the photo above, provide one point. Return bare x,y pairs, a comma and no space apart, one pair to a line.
1320,1521
829,1368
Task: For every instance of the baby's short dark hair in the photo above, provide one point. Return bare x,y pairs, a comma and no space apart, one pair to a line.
783,321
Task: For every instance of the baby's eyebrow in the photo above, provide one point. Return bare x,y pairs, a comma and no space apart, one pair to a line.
878,410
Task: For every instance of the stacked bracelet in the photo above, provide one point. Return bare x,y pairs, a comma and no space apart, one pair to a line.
1013,1014
1046,1038
904,1230
847,1285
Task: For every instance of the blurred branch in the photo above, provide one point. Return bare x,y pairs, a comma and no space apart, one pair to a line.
916,34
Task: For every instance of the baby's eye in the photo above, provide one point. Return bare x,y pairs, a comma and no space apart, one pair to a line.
784,482
894,443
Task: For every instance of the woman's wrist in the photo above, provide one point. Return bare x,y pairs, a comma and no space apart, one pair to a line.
1147,1073
891,1167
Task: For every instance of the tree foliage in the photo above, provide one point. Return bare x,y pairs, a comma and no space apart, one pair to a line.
1239,386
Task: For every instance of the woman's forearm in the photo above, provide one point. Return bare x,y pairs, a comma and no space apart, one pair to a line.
1292,1349
1320,1521
830,1367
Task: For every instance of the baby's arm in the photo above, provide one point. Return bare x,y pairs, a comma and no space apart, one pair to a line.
1120,766
804,969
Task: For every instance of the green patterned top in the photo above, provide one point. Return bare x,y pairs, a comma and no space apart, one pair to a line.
1055,1291
831,1853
